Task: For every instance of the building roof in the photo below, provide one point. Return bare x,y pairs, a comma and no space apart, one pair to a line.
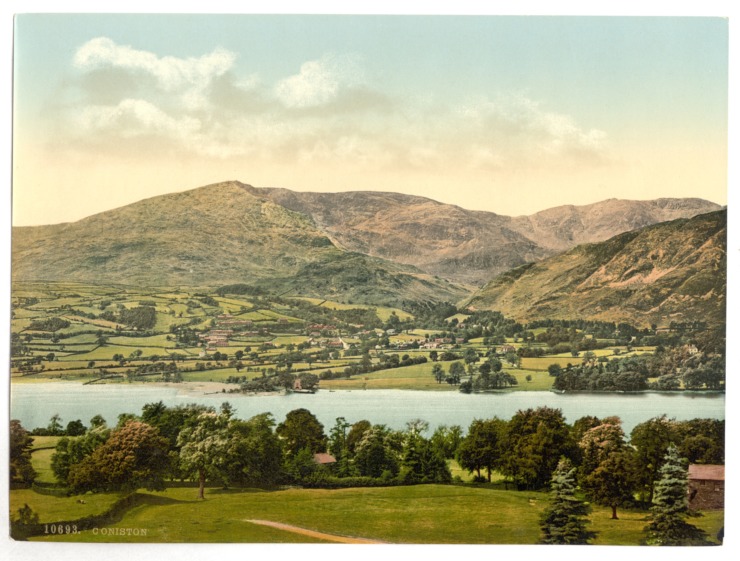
707,472
323,458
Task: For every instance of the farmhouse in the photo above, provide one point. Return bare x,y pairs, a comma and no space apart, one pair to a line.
324,459
706,487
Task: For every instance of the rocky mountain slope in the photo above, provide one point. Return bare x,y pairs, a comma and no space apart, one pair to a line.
352,245
469,246
673,271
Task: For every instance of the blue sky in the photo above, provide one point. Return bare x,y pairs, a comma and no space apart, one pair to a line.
507,114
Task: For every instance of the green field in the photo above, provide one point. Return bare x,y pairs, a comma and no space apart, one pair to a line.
423,514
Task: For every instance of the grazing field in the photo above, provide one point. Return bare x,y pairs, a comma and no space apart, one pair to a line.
429,514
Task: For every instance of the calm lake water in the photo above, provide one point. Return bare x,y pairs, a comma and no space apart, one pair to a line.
34,404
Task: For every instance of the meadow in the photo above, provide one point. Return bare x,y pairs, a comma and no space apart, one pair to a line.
420,514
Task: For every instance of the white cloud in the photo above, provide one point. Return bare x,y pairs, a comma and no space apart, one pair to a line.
517,130
319,81
133,117
313,116
190,77
172,73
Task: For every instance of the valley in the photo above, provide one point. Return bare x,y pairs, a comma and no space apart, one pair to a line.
296,312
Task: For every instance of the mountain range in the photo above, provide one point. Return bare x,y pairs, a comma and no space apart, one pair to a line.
672,271
369,247
464,246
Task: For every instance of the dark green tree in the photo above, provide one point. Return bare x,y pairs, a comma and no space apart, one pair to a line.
20,453
75,428
670,509
456,371
438,372
481,447
422,463
565,521
253,455
535,440
55,425
651,440
614,481
447,439
356,433
301,429
338,446
71,451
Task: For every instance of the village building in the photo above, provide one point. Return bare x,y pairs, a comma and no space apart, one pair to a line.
324,459
706,487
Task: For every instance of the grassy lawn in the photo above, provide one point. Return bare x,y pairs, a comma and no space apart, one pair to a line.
418,514
41,462
415,377
54,509
541,381
430,514
541,363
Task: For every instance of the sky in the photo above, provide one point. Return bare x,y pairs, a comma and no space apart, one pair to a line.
498,113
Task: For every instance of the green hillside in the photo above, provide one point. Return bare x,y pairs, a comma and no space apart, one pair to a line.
211,236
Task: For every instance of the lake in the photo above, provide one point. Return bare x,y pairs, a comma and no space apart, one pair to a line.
34,404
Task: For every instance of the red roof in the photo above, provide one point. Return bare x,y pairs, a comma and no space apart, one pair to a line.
323,458
707,472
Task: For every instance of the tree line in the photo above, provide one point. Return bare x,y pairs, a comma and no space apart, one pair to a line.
671,369
162,443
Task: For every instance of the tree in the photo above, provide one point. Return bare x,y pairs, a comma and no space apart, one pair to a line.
670,509
422,463
20,453
447,440
481,447
374,455
203,447
301,429
75,428
651,440
55,425
470,356
71,451
309,381
598,442
438,372
134,456
254,454
536,439
614,481
565,521
512,358
338,446
97,421
457,370
356,433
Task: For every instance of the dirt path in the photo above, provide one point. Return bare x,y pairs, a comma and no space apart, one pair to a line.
312,533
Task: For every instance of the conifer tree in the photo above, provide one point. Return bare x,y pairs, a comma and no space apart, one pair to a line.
671,506
565,521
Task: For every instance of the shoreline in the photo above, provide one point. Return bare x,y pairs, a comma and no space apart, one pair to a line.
195,388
